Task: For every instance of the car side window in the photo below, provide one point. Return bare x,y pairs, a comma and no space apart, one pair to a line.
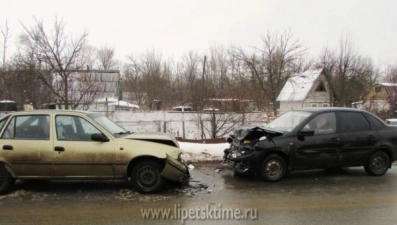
28,127
353,122
74,128
376,124
3,121
324,123
9,131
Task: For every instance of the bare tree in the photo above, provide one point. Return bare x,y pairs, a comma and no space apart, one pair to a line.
272,65
6,36
149,75
91,60
4,73
216,124
191,81
106,58
54,56
391,74
349,74
84,89
132,79
391,77
217,81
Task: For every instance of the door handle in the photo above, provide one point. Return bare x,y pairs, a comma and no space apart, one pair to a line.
8,147
371,137
59,149
335,139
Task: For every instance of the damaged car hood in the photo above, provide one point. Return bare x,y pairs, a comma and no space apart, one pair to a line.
256,132
162,138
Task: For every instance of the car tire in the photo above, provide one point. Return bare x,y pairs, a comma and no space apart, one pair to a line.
6,180
378,164
145,177
273,168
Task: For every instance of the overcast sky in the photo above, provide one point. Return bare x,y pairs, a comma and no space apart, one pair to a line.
174,27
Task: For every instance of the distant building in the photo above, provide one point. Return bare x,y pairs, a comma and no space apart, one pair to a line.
135,97
112,104
88,85
306,89
381,98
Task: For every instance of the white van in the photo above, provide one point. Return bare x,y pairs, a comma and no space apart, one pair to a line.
182,109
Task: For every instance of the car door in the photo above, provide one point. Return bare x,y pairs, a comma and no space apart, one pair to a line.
322,148
76,155
357,138
26,145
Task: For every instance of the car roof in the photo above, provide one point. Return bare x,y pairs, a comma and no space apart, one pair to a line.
327,109
48,111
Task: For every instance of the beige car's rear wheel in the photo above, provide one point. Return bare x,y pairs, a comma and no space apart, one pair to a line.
6,180
145,177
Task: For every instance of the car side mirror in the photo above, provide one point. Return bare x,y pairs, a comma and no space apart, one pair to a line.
99,137
229,140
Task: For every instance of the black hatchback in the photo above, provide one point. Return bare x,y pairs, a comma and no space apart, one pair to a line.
314,138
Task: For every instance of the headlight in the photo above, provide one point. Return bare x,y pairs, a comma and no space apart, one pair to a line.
241,152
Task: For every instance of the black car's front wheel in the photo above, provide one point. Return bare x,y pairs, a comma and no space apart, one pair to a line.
378,164
273,168
6,180
145,177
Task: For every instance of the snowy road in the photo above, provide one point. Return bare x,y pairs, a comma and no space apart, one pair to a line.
346,196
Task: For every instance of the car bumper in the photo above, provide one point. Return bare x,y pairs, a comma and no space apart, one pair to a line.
240,163
176,170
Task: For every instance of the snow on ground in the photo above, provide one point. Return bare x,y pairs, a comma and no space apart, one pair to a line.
203,152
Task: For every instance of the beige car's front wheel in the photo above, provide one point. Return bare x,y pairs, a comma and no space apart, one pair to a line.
6,180
145,177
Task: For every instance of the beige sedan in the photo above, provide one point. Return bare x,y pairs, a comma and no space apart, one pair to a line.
58,144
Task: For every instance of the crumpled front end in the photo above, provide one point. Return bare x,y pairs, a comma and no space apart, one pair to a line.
176,170
242,154
238,156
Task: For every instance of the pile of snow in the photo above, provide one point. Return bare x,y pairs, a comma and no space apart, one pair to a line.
203,152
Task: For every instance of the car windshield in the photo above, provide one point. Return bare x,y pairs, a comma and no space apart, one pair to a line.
108,124
288,120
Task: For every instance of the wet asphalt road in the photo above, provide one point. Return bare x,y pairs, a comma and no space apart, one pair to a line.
345,196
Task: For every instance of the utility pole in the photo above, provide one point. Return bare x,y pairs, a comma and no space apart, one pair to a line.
203,88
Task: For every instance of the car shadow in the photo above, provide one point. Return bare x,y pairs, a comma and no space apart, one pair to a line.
89,189
319,176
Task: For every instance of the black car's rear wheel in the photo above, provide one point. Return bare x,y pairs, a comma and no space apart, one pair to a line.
6,180
378,164
273,168
145,177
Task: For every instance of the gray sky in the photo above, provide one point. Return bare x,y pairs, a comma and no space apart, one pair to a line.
174,27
